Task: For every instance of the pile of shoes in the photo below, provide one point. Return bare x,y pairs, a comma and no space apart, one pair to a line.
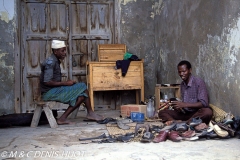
195,130
176,132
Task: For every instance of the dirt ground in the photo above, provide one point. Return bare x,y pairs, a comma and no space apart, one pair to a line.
63,142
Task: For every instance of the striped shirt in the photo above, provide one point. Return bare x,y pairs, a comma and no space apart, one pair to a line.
194,91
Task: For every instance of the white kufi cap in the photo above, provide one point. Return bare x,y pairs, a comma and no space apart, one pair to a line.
56,44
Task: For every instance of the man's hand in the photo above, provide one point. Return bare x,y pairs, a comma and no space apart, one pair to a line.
69,82
177,104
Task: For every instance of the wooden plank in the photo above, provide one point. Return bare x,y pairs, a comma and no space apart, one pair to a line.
110,68
50,117
36,116
117,88
117,74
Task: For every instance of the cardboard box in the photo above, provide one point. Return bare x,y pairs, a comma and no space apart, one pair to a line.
127,109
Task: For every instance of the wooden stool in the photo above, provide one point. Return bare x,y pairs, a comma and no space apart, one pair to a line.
47,108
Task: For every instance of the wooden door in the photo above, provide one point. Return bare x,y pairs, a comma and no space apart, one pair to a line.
83,24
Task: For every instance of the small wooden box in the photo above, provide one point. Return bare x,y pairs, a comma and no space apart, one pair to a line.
111,52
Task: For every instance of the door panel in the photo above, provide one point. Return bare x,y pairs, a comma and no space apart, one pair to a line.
83,24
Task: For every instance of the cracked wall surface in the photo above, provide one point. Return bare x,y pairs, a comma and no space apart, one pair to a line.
6,57
137,32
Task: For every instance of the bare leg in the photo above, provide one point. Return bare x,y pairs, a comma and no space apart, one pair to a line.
90,113
70,109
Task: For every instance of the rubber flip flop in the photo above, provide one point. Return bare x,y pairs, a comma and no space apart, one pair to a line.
107,120
125,121
98,137
122,125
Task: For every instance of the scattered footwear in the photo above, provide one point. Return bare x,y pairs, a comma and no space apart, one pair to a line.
227,128
162,136
147,137
156,128
174,136
181,127
169,127
195,121
188,134
121,125
138,126
106,120
211,134
98,137
219,131
201,127
126,138
228,119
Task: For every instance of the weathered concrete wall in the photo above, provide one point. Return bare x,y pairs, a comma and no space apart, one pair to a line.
137,32
7,31
207,34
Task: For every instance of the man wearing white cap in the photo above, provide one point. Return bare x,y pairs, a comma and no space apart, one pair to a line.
68,92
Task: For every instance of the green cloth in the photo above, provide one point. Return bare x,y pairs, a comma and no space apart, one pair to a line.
127,55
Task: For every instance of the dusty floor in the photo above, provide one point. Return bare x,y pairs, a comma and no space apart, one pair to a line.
63,143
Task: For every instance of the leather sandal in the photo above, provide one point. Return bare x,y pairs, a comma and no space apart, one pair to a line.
106,120
98,137
162,136
138,126
174,136
126,138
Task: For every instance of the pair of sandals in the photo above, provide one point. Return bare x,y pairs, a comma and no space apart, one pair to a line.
109,139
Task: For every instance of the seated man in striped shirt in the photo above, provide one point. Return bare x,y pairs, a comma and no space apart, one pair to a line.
194,97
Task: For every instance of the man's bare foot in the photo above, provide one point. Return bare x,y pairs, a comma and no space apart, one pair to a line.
94,116
59,122
171,122
168,123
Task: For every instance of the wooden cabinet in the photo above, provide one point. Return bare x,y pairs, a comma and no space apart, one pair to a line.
102,76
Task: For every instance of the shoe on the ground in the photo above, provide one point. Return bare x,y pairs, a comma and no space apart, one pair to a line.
123,126
188,134
162,136
169,127
202,134
138,126
211,134
107,120
174,136
228,119
195,121
147,137
227,128
220,132
125,138
200,127
156,128
181,127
